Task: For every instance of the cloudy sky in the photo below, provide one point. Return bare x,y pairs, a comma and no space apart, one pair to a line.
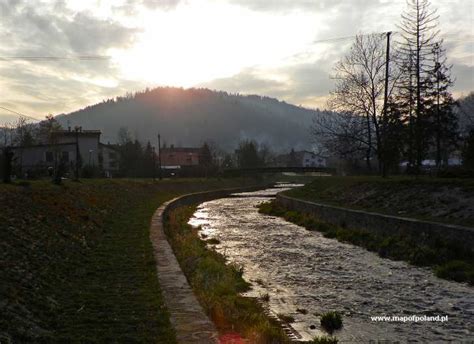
266,47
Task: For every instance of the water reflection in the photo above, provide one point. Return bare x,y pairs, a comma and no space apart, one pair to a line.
306,275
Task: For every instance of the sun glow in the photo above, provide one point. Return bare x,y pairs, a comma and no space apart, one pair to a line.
194,44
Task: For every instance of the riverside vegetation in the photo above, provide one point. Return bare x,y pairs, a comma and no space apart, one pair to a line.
447,200
217,285
77,263
448,260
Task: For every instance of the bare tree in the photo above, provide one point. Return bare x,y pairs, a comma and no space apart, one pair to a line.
341,133
358,99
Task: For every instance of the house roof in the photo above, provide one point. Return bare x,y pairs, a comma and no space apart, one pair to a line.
180,150
79,133
44,145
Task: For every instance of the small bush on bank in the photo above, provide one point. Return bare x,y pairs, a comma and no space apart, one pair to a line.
456,270
324,340
331,321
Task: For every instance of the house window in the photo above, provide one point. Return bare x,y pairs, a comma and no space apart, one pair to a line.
112,155
49,157
65,156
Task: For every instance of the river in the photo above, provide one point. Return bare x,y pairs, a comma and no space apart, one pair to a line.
306,274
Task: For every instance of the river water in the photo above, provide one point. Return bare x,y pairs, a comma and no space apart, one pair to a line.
306,274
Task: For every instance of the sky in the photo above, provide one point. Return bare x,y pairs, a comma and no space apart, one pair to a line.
274,48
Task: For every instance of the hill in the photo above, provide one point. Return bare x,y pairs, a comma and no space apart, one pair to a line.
191,116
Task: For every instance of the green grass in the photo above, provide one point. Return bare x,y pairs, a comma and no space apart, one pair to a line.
402,196
331,321
448,259
76,260
218,285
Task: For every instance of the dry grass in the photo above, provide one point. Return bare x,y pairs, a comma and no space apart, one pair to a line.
76,261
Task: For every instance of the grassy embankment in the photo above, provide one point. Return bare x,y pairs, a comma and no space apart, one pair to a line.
218,286
422,198
77,263
432,199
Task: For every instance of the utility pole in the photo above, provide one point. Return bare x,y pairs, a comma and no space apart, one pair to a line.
385,101
76,129
154,163
159,157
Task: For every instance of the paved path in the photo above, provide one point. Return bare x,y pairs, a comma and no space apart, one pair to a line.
186,314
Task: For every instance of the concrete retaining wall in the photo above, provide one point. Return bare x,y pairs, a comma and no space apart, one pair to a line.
201,197
380,223
186,314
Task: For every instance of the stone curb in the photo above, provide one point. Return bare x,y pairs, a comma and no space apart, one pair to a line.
186,314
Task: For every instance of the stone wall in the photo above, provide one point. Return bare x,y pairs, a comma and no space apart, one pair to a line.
380,223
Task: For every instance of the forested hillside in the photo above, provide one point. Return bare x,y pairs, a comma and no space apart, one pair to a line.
192,116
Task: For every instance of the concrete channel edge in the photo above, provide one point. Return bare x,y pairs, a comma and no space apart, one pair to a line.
187,317
381,223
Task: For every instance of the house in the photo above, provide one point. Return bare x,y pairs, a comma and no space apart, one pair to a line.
301,159
177,157
310,159
67,147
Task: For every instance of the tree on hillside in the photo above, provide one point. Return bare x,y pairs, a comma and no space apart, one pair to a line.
465,113
6,161
24,135
468,151
205,156
247,155
148,162
123,136
419,33
131,159
227,162
206,159
292,159
443,117
265,154
46,129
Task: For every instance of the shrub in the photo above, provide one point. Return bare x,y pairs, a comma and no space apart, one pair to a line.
324,340
456,270
331,321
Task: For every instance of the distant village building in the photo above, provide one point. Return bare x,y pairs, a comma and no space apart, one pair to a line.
63,148
178,157
301,159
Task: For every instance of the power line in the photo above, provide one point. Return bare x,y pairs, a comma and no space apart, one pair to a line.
348,37
56,58
20,114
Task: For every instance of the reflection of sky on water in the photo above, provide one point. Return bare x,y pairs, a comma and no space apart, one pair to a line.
303,271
